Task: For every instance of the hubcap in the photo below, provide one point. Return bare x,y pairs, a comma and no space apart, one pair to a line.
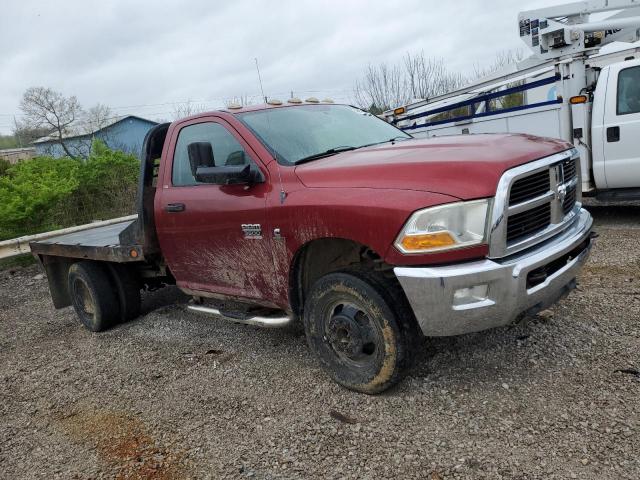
351,333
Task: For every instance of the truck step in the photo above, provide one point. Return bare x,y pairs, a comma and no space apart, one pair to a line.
267,321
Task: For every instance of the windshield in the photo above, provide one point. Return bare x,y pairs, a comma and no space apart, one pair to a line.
303,133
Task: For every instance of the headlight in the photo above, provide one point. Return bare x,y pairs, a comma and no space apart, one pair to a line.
451,226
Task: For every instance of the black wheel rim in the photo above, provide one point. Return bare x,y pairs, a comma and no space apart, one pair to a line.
83,299
352,335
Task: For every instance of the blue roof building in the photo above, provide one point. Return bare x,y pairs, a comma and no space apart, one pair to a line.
124,133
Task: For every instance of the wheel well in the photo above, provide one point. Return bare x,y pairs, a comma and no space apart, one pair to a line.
320,257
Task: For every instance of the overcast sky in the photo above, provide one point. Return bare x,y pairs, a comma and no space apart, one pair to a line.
141,57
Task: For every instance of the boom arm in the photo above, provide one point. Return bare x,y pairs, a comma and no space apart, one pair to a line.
566,30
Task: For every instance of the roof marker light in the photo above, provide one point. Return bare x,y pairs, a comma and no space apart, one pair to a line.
274,101
312,100
294,100
399,111
234,106
327,100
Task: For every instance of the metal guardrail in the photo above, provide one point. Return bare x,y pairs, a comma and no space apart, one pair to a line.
20,245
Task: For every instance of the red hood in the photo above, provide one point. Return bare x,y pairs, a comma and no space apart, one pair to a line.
463,166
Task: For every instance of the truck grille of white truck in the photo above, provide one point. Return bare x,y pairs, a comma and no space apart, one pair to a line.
535,202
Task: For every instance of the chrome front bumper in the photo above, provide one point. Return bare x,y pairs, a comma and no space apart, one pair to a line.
553,266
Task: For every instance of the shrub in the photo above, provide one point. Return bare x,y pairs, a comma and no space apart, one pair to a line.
107,186
30,192
44,193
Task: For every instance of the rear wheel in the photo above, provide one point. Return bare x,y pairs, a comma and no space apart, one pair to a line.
362,333
94,298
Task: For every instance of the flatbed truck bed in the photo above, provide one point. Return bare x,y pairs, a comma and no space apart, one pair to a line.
106,243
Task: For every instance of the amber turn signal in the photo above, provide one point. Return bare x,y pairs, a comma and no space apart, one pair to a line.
578,99
399,111
426,241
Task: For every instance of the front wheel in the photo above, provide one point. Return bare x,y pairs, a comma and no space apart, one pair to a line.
362,333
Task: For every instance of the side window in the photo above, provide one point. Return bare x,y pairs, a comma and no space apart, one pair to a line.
226,150
628,91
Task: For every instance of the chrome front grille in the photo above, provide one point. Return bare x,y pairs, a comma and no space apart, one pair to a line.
530,187
529,222
570,200
534,202
569,168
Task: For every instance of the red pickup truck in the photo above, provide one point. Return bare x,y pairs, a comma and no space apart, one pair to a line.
325,214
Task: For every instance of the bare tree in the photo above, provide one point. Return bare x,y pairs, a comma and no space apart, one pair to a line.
429,77
97,117
185,109
89,127
46,108
382,87
243,100
503,59
418,77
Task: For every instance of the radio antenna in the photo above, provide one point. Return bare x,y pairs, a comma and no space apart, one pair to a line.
283,194
260,80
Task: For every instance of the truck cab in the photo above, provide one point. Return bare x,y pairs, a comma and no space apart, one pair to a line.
615,126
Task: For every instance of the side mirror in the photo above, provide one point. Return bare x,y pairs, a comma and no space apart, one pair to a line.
200,155
204,168
229,175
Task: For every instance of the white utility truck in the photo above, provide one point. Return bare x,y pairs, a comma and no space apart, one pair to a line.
567,89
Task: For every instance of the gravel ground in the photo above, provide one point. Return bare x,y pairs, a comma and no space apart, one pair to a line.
178,395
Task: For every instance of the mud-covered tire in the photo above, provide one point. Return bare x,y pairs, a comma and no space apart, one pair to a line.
128,288
93,296
360,327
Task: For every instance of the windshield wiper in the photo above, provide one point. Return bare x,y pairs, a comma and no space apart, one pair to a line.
385,141
345,148
326,153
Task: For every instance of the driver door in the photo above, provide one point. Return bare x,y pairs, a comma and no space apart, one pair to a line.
211,235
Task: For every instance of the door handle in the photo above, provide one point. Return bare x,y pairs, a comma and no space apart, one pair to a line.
613,134
174,207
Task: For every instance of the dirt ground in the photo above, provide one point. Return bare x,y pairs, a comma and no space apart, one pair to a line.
176,395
